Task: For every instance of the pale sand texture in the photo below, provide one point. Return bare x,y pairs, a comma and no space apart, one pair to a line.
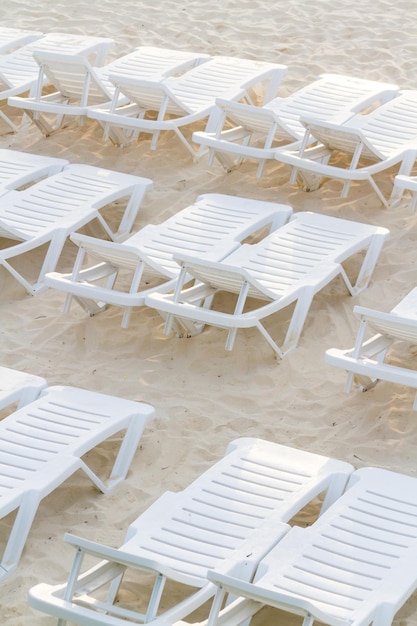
204,396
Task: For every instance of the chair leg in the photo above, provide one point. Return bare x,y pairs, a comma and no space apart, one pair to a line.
298,318
155,598
308,181
9,122
405,170
69,590
114,589
261,168
123,460
19,533
368,266
379,193
231,336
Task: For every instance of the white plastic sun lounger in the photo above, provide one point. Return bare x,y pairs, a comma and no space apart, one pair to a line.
365,363
181,101
247,131
375,142
20,168
227,515
13,38
42,444
354,566
211,228
288,267
19,71
78,84
48,211
20,387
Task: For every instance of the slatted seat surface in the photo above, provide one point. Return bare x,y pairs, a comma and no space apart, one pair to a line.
197,89
73,194
212,227
385,137
187,98
211,519
286,257
150,62
232,513
43,442
254,132
79,84
19,168
330,95
12,38
54,431
354,564
384,132
49,210
288,266
20,69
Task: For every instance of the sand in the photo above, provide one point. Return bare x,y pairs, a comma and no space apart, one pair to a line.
205,397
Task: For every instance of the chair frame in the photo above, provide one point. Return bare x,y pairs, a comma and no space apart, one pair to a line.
43,442
69,200
288,267
79,84
19,72
393,143
243,127
365,362
180,102
354,566
232,512
213,226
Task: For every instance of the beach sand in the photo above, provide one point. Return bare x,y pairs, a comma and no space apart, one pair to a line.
204,396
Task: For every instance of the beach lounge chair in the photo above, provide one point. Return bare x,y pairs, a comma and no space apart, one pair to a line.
77,84
212,227
375,142
288,267
354,566
177,102
48,211
13,38
247,131
42,444
20,387
366,363
230,513
19,72
20,168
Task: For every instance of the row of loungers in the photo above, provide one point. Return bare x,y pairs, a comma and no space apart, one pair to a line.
230,536
232,531
201,244
151,90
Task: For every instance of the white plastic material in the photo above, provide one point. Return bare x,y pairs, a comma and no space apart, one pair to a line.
232,515
288,267
210,228
48,211
366,362
42,444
